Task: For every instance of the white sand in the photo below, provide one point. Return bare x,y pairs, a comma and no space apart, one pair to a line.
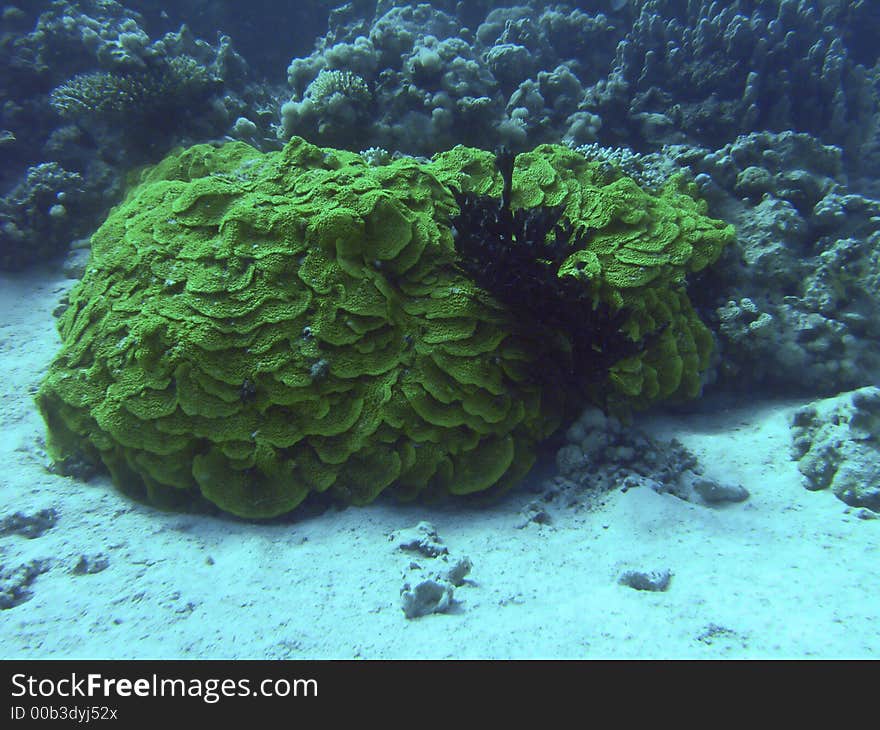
788,573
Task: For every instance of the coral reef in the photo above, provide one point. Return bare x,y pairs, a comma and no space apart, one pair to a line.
773,104
770,108
254,328
94,63
716,70
88,91
639,74
296,25
36,222
333,103
835,442
420,78
519,77
99,98
800,306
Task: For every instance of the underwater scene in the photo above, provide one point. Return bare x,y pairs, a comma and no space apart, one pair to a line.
442,330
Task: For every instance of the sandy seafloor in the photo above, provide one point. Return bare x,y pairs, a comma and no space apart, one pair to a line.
788,573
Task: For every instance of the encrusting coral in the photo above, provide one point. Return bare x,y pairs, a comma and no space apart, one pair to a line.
254,328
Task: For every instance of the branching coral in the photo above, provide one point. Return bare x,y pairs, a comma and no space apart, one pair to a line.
102,97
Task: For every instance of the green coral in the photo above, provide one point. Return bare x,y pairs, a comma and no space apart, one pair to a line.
641,247
254,328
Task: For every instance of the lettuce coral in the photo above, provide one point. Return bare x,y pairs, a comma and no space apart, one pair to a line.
639,249
255,328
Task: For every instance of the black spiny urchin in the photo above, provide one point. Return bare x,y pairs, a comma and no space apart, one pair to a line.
515,256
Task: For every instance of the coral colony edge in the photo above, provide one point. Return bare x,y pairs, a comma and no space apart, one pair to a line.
256,327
